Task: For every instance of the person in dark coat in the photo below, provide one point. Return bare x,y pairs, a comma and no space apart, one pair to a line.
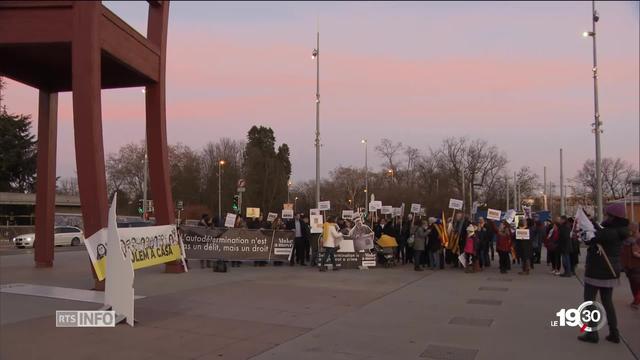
484,237
434,245
564,246
419,244
602,268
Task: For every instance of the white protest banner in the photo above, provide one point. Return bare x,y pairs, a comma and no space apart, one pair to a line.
372,207
377,204
287,213
230,220
287,206
510,216
522,234
271,216
455,204
324,205
314,212
386,210
253,213
347,214
423,212
316,224
415,208
396,211
493,214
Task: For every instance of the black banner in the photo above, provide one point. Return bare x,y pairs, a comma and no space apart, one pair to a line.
351,260
236,244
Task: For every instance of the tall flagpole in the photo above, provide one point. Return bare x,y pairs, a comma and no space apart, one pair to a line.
316,55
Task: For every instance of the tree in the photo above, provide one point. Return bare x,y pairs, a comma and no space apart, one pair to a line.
616,176
125,171
388,151
232,152
18,153
266,171
68,186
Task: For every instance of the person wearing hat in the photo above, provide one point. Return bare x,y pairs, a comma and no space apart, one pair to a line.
602,268
470,248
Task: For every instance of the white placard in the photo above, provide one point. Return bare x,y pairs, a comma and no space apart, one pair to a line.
386,210
415,208
377,204
396,211
324,205
347,214
346,246
455,204
522,234
272,216
493,214
510,216
314,212
372,207
316,223
230,220
287,213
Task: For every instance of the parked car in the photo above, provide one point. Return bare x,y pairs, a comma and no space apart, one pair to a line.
62,236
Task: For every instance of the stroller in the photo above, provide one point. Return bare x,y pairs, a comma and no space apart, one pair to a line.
385,249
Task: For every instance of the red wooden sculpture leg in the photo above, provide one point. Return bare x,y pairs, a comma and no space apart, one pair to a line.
157,126
46,185
87,118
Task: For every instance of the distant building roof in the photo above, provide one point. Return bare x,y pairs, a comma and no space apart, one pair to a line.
8,198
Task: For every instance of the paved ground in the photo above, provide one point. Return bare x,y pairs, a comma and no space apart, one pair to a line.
294,313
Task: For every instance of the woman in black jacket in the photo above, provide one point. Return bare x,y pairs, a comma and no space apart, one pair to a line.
602,268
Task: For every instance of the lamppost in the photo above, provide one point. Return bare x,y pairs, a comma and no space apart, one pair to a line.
391,173
288,190
316,56
596,112
220,163
366,175
295,204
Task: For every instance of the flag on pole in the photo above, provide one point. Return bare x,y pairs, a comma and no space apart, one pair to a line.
583,227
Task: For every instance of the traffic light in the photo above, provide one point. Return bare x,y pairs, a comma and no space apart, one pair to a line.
140,207
235,203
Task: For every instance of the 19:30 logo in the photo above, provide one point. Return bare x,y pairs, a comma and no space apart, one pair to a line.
589,316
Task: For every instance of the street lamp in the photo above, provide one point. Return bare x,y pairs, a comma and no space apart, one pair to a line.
295,203
315,54
288,190
596,112
220,163
366,175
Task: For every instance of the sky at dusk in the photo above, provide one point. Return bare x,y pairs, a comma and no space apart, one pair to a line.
515,74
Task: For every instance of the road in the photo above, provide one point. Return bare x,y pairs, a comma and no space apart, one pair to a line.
8,249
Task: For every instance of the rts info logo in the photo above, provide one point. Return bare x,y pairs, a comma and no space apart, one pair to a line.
589,316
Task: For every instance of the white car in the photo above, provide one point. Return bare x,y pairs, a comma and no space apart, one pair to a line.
63,235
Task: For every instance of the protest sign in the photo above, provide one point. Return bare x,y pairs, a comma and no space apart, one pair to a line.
493,214
150,245
423,212
522,234
287,206
316,224
324,205
396,211
236,244
287,213
372,207
386,210
347,214
230,221
415,208
377,204
510,216
253,213
455,204
271,216
314,212
474,207
348,257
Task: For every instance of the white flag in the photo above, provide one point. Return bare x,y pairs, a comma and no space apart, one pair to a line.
583,227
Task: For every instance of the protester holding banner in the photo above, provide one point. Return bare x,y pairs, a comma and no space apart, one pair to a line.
419,244
503,246
330,238
630,259
602,268
484,238
470,250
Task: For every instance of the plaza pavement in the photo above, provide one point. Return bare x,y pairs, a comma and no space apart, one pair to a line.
300,313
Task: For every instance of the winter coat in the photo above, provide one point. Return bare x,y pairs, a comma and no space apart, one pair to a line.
630,254
330,236
504,242
551,239
420,238
434,244
471,246
611,238
564,239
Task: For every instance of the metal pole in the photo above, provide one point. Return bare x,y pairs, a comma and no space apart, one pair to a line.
220,189
317,56
506,181
463,191
146,179
544,192
597,123
562,200
516,205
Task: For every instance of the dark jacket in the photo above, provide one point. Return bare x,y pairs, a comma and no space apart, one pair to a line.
564,239
433,242
611,237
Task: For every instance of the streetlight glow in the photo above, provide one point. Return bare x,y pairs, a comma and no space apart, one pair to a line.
221,162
